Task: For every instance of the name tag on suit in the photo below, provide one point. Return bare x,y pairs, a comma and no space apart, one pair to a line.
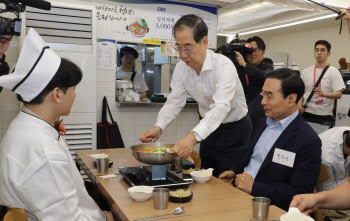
283,157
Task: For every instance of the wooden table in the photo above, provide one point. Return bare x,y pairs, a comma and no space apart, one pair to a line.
214,200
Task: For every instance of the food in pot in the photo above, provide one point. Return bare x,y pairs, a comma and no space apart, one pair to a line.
159,149
180,193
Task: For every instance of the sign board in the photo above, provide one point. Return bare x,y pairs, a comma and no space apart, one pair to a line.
136,20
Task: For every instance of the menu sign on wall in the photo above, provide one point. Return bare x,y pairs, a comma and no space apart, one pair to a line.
134,20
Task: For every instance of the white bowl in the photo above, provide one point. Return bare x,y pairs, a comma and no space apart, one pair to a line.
141,193
99,156
200,179
295,214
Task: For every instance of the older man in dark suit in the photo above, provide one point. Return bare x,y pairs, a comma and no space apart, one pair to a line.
284,155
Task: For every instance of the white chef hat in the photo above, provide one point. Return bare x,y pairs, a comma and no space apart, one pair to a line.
36,66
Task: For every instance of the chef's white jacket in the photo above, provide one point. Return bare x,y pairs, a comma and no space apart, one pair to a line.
333,157
38,174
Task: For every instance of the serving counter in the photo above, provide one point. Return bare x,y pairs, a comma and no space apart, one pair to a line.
214,200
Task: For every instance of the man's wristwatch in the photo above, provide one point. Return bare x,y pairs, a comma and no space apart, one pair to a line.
196,136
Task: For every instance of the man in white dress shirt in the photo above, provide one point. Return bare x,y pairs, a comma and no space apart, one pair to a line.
335,152
37,172
211,79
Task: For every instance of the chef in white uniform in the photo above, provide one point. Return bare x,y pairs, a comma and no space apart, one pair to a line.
37,172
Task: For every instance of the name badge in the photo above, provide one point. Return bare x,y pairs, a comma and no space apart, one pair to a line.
283,157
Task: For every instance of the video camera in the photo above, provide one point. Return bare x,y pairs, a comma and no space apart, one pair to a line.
10,26
239,45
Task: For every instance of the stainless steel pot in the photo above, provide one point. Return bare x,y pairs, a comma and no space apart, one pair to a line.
154,158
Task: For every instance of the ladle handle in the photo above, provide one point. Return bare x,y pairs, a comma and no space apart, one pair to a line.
152,216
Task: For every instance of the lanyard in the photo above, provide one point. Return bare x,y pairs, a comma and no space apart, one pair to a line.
315,75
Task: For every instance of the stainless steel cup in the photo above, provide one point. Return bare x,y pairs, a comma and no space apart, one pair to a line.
102,165
178,163
160,198
261,207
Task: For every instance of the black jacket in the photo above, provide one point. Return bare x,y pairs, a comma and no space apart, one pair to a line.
278,182
4,69
256,78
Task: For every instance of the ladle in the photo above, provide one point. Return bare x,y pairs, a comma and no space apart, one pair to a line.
176,211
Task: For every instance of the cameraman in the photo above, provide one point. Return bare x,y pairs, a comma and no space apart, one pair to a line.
4,45
253,71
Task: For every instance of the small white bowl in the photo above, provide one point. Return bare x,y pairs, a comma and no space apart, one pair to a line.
141,193
295,214
99,156
199,179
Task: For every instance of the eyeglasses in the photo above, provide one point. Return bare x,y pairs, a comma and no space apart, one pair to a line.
318,50
257,50
187,50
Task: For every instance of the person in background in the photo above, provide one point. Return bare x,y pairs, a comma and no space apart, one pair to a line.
337,198
4,45
342,63
268,61
219,50
254,70
255,109
212,81
126,70
284,154
321,104
346,17
335,152
37,172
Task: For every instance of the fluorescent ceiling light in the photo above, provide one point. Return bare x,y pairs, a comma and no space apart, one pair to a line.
281,26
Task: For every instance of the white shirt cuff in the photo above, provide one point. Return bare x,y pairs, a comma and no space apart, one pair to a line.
161,125
202,130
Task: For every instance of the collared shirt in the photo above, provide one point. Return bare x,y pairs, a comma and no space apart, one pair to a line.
266,141
333,157
332,81
38,174
217,90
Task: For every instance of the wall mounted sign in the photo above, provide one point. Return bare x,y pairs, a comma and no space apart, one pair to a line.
134,20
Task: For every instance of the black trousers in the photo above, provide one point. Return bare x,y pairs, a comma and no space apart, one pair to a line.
319,119
224,148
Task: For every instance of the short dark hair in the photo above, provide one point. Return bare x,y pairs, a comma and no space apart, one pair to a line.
291,82
325,43
268,61
67,75
259,42
200,29
347,138
218,50
127,50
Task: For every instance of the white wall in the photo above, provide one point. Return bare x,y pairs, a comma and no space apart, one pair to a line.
300,45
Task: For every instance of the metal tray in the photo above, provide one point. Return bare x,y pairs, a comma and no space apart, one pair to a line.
138,176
